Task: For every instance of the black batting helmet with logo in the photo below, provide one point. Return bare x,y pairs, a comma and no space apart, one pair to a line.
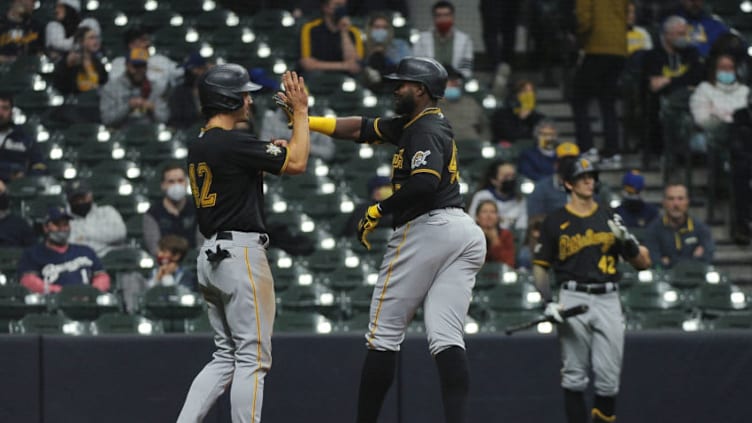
425,70
222,87
576,167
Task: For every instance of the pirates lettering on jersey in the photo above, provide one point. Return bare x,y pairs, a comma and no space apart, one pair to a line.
398,159
570,245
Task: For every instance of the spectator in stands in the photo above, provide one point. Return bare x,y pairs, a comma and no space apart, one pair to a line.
517,118
15,231
703,28
54,263
367,7
98,227
170,253
59,32
445,43
499,20
638,38
532,235
715,100
499,241
602,31
184,105
331,42
81,69
676,235
20,33
549,193
741,175
379,188
173,214
676,64
383,51
130,98
19,154
634,210
500,184
538,162
163,73
469,120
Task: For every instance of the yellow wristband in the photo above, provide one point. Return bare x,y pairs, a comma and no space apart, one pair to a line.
322,124
374,211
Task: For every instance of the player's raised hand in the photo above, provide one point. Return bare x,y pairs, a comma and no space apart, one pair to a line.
629,241
295,94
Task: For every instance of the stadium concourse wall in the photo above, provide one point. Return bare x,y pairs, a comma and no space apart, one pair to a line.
703,377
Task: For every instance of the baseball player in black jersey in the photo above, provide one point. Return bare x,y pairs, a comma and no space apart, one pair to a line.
226,169
582,243
436,249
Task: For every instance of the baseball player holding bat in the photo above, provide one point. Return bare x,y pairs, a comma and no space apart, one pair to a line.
226,169
436,249
582,242
564,314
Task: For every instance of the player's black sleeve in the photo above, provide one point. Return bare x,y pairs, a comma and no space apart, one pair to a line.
412,191
545,250
256,154
381,130
426,155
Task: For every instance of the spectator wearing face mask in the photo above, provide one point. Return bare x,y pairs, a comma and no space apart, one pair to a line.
383,51
635,212
703,27
716,99
518,118
538,162
676,63
15,231
169,271
100,228
468,119
445,43
49,266
500,185
172,214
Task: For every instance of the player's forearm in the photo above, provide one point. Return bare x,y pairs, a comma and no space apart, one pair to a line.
346,128
300,143
642,260
414,190
542,283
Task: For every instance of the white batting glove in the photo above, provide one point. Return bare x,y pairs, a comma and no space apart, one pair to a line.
552,311
631,244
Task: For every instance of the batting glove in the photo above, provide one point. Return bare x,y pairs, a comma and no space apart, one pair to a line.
630,245
368,223
552,312
285,108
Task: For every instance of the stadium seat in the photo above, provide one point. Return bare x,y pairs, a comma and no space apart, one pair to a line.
493,274
49,324
91,153
199,324
84,133
155,153
122,324
188,7
357,322
84,302
303,322
36,209
739,320
127,205
104,184
313,297
172,305
652,296
127,259
37,102
511,297
656,319
720,298
688,273
16,302
32,186
500,321
270,19
159,18
344,278
134,226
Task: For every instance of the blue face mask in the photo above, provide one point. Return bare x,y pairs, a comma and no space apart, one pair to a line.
725,77
379,35
452,93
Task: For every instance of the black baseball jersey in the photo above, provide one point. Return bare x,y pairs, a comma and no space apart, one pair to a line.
579,247
425,144
226,173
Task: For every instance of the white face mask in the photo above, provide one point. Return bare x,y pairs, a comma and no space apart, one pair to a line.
176,192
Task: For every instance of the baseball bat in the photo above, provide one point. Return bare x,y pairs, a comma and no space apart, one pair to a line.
566,313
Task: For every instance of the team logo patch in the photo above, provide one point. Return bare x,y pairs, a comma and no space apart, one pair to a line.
419,159
273,150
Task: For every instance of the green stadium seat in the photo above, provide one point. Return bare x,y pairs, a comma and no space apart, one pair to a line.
37,102
270,19
357,323
159,18
738,320
125,324
720,298
493,274
302,322
49,324
84,302
171,305
313,297
500,321
128,259
36,209
511,297
134,227
127,205
16,302
344,278
652,296
199,324
188,7
656,319
31,186
156,153
688,273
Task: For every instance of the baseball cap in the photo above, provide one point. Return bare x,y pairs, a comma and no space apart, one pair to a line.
137,56
76,188
633,182
260,77
194,60
567,149
57,213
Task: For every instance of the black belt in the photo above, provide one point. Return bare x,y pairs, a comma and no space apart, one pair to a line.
227,236
590,288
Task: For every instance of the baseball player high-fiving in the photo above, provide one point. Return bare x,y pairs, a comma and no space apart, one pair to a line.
436,249
226,169
582,242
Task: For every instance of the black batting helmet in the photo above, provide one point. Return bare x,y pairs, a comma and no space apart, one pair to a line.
576,167
222,87
425,70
